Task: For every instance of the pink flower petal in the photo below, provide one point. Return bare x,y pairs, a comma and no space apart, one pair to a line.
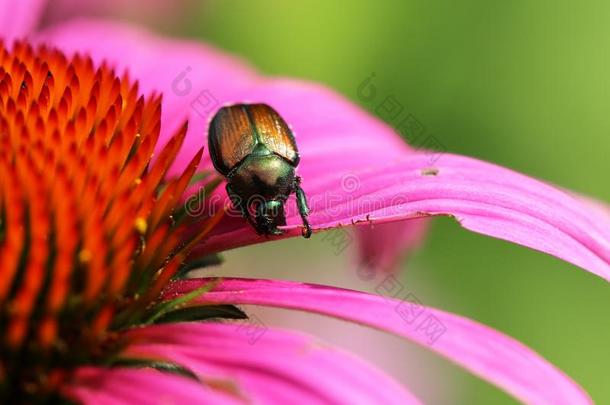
124,386
354,168
600,209
483,197
380,246
266,365
492,356
19,18
155,12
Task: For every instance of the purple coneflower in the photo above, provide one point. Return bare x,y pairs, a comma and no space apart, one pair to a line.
95,239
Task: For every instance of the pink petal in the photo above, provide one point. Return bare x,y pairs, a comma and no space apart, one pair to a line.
483,198
267,365
157,12
600,209
380,246
354,168
485,352
19,18
124,386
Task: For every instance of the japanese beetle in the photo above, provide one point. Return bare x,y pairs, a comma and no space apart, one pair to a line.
253,147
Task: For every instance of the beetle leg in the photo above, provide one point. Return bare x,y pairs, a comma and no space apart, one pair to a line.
237,202
302,204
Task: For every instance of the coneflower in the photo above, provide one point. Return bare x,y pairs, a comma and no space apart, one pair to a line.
95,238
87,236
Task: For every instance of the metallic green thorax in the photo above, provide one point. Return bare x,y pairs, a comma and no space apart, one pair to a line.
264,177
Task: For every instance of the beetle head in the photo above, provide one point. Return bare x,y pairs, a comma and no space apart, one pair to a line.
269,215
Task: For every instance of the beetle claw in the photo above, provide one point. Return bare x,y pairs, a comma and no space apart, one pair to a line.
306,231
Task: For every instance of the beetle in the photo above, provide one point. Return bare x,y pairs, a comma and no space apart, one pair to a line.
254,149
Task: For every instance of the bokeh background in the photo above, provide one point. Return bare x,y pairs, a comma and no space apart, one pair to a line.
525,84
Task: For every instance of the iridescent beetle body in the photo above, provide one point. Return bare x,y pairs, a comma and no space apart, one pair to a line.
253,147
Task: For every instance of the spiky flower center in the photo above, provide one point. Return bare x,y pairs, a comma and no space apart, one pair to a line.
86,234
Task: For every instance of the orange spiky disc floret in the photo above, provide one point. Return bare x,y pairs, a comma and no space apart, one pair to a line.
84,226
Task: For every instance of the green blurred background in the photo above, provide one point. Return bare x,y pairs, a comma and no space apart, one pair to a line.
525,84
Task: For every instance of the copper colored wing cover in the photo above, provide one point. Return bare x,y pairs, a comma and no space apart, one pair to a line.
273,132
231,137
